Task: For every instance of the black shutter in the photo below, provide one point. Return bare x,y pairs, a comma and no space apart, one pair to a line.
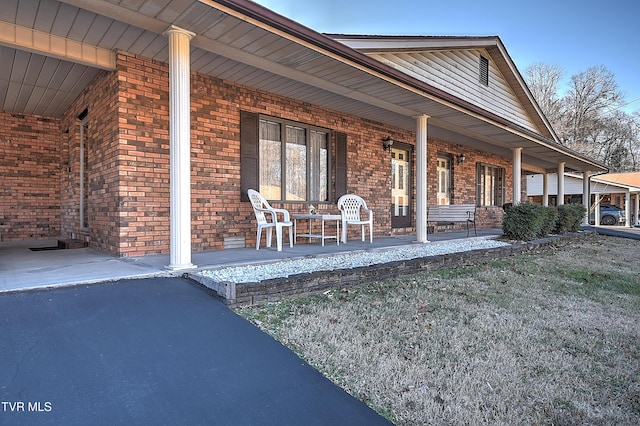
249,133
341,164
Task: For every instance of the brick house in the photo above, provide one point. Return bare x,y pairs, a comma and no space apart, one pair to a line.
139,126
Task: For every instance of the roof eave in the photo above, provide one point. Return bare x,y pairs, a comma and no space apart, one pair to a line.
332,46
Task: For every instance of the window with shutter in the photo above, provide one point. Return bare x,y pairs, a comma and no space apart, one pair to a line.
287,161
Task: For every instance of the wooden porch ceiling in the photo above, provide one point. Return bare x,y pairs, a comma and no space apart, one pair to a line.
233,43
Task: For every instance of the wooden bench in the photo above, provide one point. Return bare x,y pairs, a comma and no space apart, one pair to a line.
453,213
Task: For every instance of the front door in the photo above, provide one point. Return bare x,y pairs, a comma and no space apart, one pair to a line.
400,187
444,180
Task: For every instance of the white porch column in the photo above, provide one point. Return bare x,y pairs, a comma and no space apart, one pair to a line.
421,179
179,148
517,175
627,210
560,184
636,211
585,196
596,210
545,189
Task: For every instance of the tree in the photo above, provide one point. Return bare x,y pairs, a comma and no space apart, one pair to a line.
591,95
544,82
588,118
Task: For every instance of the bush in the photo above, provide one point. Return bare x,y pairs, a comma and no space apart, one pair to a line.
550,220
528,221
524,221
570,218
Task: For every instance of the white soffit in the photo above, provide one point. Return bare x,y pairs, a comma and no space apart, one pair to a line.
35,41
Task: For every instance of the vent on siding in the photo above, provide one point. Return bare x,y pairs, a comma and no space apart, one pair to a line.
484,70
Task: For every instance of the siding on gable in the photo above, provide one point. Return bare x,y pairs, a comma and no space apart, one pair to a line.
457,72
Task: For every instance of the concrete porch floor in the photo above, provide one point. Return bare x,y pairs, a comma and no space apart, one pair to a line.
23,269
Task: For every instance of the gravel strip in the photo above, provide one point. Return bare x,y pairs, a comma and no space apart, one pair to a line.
284,268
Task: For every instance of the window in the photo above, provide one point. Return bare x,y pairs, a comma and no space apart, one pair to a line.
293,161
484,70
490,185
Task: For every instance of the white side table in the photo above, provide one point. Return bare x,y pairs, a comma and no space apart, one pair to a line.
310,218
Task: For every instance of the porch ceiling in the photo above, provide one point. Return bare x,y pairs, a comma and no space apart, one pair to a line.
239,41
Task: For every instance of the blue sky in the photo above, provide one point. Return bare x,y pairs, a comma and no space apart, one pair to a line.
572,34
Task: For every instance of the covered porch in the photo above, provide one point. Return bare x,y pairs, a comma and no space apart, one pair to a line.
142,179
22,268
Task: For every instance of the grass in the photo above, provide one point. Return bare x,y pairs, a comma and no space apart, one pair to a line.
546,338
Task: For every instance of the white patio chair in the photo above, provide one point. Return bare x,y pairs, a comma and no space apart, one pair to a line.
351,208
261,208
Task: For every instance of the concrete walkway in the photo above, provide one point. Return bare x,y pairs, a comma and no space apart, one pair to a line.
158,351
22,269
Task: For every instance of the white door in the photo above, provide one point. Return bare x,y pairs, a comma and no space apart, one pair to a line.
444,181
400,188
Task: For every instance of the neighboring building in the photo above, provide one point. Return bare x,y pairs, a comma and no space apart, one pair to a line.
620,189
139,126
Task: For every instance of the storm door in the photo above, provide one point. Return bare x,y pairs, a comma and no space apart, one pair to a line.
444,180
400,186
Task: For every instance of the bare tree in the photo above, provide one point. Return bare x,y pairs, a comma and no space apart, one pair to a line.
544,81
588,118
591,95
633,144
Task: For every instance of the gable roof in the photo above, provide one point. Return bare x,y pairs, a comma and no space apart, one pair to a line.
243,42
382,46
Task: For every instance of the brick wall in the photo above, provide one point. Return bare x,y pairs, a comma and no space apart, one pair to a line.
218,214
464,179
30,170
128,161
143,156
100,101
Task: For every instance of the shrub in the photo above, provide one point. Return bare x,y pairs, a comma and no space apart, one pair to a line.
570,218
549,224
522,221
527,221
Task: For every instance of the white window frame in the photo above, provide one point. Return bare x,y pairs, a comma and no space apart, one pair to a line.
497,185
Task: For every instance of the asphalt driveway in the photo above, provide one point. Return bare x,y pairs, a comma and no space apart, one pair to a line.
157,351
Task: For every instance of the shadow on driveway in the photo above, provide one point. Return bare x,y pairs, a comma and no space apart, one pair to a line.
158,351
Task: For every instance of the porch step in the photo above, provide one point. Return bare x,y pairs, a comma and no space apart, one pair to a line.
71,244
